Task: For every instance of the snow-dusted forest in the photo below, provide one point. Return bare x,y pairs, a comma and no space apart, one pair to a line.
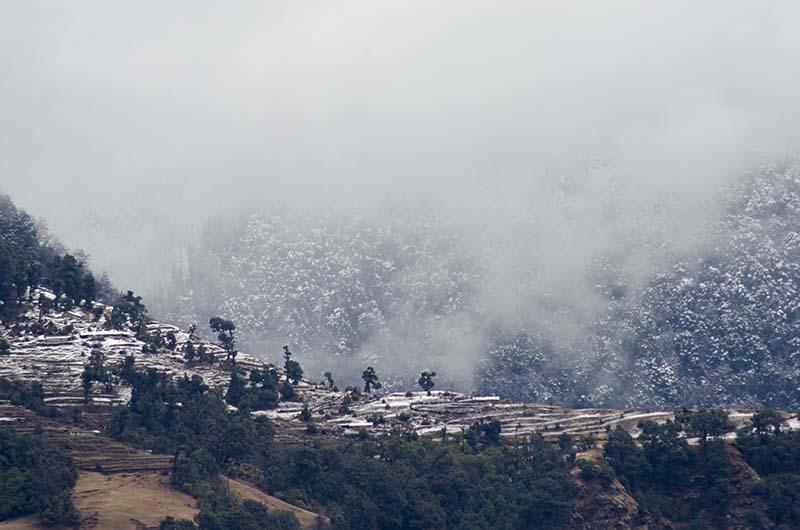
707,316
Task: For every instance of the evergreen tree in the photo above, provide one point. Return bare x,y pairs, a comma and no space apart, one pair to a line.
170,340
767,421
625,456
236,388
426,381
188,351
287,356
294,372
225,334
704,423
292,369
87,380
89,289
371,380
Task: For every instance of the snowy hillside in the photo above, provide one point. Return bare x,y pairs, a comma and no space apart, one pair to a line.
714,322
54,347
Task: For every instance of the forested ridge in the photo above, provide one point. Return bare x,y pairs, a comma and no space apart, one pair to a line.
30,257
712,319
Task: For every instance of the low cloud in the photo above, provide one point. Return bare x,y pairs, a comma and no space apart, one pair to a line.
547,133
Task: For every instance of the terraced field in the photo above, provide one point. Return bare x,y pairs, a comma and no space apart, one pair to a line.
58,361
90,449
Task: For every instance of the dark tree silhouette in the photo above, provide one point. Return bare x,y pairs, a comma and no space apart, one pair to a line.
767,421
189,351
225,334
170,340
236,389
426,381
371,380
294,372
705,424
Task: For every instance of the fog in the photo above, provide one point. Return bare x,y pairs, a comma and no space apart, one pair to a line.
549,127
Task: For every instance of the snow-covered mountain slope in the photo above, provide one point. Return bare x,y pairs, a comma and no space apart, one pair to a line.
342,292
711,317
57,357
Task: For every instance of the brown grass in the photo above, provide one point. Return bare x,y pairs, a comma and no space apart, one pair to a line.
307,519
121,501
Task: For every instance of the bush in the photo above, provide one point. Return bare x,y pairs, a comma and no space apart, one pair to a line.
596,471
176,524
288,392
376,419
36,476
60,512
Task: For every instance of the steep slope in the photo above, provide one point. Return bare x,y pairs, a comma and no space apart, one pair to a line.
57,357
709,318
341,290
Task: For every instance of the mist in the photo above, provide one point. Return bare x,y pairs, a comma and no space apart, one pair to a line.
549,132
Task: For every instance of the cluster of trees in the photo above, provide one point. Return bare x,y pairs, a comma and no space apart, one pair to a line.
265,387
661,469
261,393
29,395
400,482
189,420
222,512
199,354
405,482
29,259
95,370
775,454
128,310
36,477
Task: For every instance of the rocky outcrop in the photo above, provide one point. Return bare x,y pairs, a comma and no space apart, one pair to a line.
609,506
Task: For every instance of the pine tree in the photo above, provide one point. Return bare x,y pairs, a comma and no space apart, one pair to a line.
225,334
426,381
370,378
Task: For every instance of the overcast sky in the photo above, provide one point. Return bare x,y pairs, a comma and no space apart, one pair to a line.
121,122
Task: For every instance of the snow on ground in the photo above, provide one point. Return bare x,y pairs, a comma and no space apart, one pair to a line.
58,361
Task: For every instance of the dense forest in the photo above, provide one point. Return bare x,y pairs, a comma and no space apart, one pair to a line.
473,480
29,257
36,477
